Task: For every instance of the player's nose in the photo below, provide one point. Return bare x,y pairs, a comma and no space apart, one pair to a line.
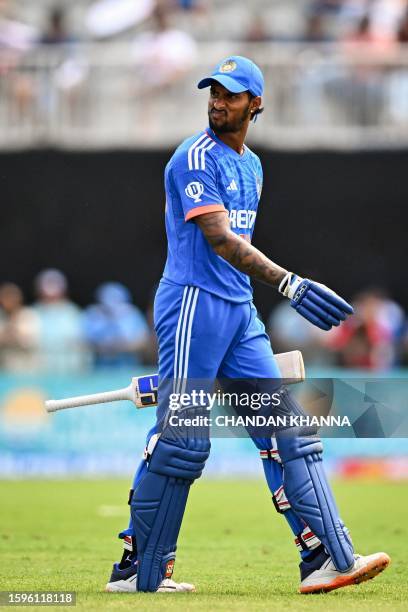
219,104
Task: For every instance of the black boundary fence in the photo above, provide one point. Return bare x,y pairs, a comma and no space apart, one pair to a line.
341,218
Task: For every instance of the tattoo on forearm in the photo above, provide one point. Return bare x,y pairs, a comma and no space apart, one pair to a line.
250,260
237,251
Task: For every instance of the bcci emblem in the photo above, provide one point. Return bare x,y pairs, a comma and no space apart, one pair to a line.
194,191
228,66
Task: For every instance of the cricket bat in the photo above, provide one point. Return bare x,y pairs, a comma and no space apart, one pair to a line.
142,390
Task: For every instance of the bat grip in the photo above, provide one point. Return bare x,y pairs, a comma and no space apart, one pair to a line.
86,400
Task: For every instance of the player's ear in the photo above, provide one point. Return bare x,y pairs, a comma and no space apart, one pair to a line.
256,103
256,107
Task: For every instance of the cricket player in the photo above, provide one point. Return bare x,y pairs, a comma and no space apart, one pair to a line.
207,328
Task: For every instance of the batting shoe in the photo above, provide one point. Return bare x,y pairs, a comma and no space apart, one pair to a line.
169,586
124,581
327,578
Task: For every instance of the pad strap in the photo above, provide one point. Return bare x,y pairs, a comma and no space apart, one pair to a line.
128,543
280,501
271,453
307,540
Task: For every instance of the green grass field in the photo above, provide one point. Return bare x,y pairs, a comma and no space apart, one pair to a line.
58,535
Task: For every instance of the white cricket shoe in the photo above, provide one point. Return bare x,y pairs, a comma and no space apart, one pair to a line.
124,581
327,577
169,586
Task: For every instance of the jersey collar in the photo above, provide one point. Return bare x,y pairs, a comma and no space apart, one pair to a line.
211,134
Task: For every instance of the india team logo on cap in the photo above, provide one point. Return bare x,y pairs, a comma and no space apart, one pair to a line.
228,66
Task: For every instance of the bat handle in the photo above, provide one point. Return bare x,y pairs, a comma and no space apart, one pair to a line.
126,393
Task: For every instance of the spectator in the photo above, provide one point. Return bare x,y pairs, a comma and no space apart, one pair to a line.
56,30
257,31
398,79
368,39
17,89
61,348
316,29
360,92
115,328
170,51
71,73
164,56
19,331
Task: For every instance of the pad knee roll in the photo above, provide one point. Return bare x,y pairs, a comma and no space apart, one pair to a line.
175,461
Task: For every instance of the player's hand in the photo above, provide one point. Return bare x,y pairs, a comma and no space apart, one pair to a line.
314,301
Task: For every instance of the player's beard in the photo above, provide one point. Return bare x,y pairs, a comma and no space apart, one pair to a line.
229,126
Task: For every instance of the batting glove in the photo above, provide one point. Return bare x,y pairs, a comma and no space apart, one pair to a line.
314,301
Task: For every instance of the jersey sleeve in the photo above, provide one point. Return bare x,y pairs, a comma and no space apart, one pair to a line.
259,177
196,184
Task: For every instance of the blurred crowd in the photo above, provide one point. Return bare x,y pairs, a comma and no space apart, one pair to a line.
374,338
164,37
56,22
55,335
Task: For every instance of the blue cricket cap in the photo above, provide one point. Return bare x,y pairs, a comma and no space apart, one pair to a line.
237,74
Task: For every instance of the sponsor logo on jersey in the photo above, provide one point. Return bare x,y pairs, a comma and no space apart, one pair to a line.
194,191
242,219
228,66
232,186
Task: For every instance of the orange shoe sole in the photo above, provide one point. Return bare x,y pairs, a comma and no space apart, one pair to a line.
371,570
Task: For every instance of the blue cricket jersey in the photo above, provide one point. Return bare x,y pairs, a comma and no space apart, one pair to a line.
206,175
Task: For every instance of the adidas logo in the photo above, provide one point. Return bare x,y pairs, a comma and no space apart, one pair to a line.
232,186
